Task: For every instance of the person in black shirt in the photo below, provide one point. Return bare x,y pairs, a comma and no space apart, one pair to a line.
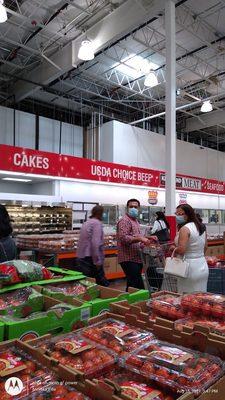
7,244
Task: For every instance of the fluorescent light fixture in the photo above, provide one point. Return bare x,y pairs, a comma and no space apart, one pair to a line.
206,106
86,51
3,13
135,66
151,80
17,179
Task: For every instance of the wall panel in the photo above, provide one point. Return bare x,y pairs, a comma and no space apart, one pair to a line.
6,125
25,129
49,134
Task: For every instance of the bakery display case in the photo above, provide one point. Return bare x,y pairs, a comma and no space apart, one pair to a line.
44,219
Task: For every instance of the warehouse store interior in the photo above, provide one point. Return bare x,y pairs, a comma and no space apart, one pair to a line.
112,199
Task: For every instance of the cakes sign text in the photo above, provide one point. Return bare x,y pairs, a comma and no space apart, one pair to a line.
21,160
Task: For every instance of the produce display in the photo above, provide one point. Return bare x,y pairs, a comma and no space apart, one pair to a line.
167,305
78,353
73,289
67,240
176,367
134,386
17,271
21,303
207,304
121,338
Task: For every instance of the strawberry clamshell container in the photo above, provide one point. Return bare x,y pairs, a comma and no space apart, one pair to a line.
175,367
118,336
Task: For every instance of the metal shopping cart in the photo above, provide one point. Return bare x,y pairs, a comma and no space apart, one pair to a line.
153,258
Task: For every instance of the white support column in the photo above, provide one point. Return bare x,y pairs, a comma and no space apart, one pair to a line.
170,108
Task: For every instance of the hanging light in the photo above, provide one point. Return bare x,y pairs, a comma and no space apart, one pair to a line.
206,106
86,51
151,80
3,13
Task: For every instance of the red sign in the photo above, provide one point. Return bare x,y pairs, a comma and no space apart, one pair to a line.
21,160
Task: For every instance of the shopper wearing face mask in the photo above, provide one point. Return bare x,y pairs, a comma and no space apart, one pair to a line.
191,243
129,241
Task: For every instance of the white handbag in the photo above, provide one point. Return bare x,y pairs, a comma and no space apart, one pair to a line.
176,266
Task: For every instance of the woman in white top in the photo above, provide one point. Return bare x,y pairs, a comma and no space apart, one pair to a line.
192,244
161,227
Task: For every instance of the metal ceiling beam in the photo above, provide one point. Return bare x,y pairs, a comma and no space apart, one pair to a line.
209,119
180,108
104,32
29,20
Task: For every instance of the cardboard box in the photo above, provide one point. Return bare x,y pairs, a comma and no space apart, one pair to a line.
110,392
49,322
106,297
64,271
129,319
2,331
199,338
137,295
110,265
138,310
60,374
33,302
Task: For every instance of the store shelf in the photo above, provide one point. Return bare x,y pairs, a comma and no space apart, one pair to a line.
216,242
39,219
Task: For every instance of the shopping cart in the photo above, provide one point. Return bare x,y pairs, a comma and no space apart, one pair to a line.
153,258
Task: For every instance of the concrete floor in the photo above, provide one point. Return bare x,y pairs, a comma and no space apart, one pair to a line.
119,284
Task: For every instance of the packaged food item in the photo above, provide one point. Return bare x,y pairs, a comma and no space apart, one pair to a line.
167,306
77,289
134,386
8,274
78,353
212,261
117,335
21,303
176,367
58,310
17,271
207,304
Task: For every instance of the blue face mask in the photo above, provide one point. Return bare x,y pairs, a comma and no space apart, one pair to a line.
133,212
180,219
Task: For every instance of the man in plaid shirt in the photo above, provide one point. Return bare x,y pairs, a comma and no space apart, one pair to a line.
129,240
